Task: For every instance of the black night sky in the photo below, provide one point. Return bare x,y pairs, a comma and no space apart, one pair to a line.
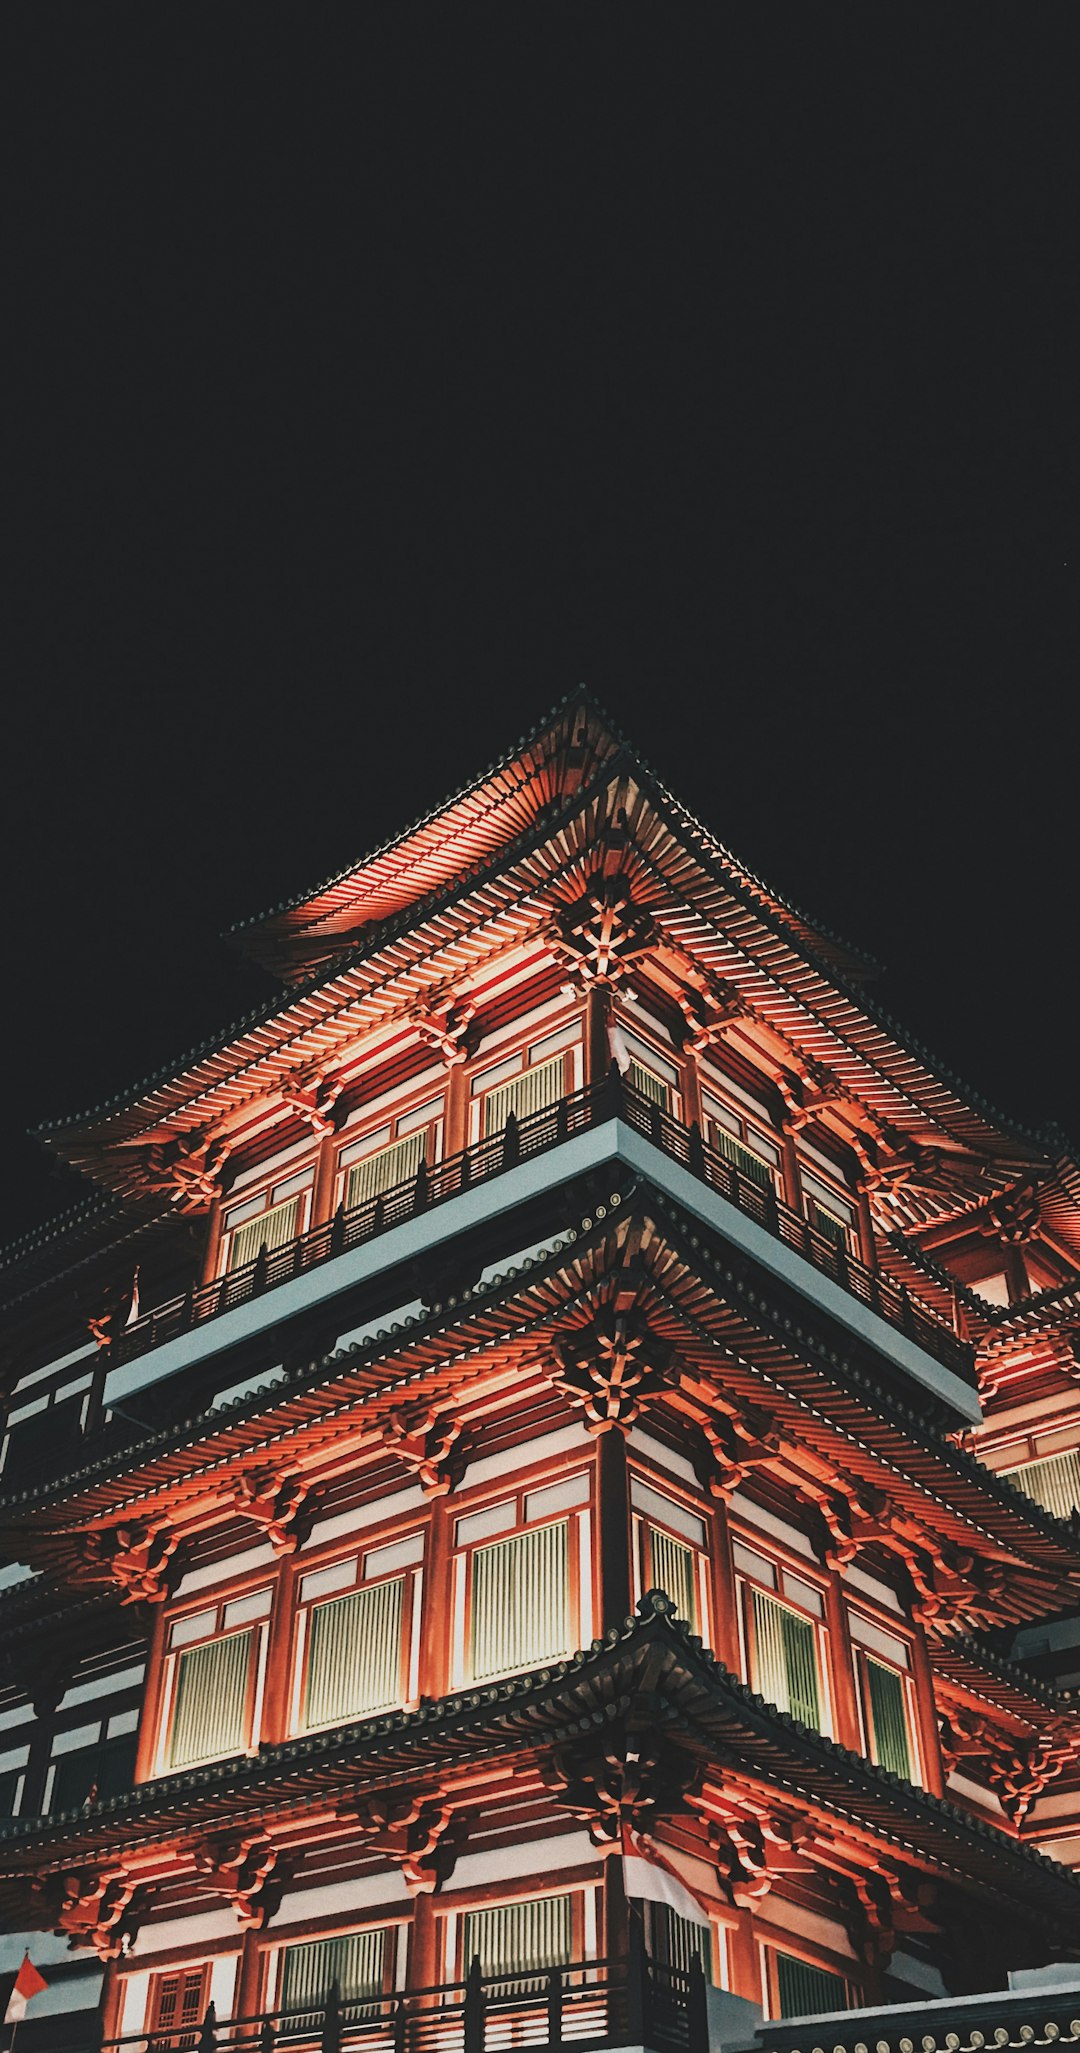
373,374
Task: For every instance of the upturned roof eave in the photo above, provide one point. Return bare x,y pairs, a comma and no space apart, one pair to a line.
695,1695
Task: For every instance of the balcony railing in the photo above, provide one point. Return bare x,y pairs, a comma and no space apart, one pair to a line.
520,1141
589,2004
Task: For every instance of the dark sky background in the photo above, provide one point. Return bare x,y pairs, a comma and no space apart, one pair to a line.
373,374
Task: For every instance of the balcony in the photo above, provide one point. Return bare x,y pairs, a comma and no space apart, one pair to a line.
605,1121
587,2004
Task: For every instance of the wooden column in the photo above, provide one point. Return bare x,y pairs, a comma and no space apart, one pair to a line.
456,1124
322,1197
792,1185
597,1048
278,1684
150,1715
613,1529
867,1250
742,1953
929,1736
425,1967
248,2000
845,1702
690,1083
725,1598
436,1648
213,1241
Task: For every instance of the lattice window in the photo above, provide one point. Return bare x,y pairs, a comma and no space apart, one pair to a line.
354,1654
533,1091
885,1704
677,1940
357,1961
178,2003
520,1612
784,1659
742,1144
1053,1481
210,1709
519,1938
803,1990
671,1549
384,1168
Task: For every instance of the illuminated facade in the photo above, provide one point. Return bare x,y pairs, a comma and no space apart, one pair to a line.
555,1446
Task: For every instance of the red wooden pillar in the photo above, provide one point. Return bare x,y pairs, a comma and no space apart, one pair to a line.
276,1688
725,1601
743,1964
436,1647
792,1185
845,1703
867,1250
249,1980
213,1241
456,1128
929,1736
322,1197
613,1529
150,1717
690,1083
425,1966
597,1046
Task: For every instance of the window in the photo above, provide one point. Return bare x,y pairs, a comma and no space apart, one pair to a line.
518,1938
530,1081
213,1681
882,1662
391,1154
802,1990
1053,1482
671,1550
92,1773
676,1940
359,1962
46,1428
742,1143
782,1634
518,1597
829,1214
178,2004
269,1220
355,1634
11,1787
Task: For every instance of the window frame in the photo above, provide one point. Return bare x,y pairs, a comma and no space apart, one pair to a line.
579,1519
753,1134
266,1191
643,1518
157,2034
861,1653
395,1958
368,1123
412,1577
259,1628
746,1580
521,1054
583,1922
770,1977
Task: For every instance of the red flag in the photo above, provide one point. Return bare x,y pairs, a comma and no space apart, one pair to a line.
28,1983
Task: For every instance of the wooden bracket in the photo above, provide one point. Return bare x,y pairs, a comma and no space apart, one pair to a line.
136,1556
426,1440
613,1367
246,1869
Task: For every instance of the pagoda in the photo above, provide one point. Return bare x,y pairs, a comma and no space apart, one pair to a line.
539,1491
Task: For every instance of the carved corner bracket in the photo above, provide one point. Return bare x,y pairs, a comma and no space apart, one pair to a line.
627,1783
428,1442
93,1908
136,1556
248,1871
412,1829
602,933
611,1368
280,1506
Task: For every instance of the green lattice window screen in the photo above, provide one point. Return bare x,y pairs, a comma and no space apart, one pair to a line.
210,1708
742,1158
829,1225
533,1091
379,1172
678,1940
673,1570
354,1654
650,1086
888,1718
356,1962
1053,1482
518,1938
520,1602
785,1660
269,1230
805,1991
